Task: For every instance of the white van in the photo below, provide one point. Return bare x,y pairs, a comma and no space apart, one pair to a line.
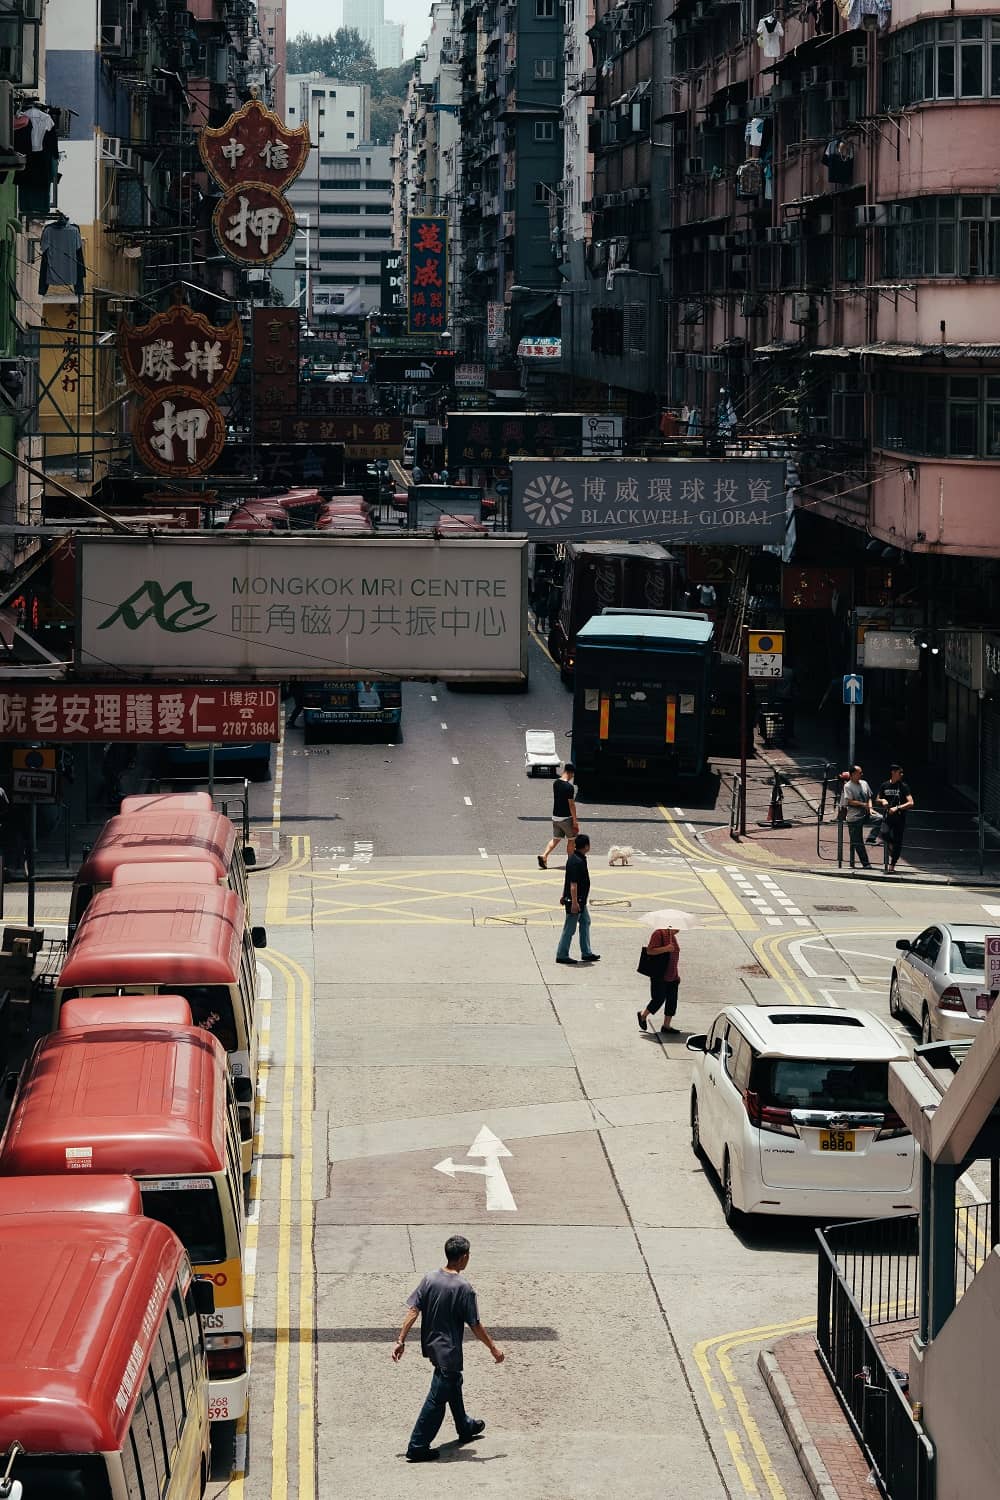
790,1105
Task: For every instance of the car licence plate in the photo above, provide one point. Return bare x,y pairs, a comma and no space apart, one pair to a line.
632,763
836,1140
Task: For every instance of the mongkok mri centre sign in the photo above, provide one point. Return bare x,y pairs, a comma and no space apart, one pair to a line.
284,608
721,501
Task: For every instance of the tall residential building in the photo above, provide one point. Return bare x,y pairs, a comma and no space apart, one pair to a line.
343,205
338,114
384,37
274,38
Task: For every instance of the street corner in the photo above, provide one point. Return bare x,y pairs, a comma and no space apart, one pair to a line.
553,1180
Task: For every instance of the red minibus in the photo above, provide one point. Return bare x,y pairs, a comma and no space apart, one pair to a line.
147,802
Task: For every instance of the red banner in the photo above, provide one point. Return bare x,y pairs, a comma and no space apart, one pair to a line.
427,273
78,712
275,357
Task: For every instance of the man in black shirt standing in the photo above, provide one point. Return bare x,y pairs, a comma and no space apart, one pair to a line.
564,824
576,894
895,796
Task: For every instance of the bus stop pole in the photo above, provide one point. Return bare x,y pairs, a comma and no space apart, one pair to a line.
744,689
32,846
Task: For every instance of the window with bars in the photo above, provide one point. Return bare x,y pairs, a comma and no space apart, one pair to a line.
949,236
953,59
945,416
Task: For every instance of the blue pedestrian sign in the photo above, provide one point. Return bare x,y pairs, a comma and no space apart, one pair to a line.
854,689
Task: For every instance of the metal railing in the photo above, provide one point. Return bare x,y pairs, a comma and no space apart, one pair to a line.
864,1268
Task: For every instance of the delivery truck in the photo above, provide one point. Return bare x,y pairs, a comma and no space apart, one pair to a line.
608,575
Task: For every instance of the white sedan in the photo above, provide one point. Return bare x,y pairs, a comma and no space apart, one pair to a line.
937,980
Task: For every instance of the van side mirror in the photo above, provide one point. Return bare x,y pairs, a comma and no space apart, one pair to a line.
696,1043
243,1090
904,945
8,1088
203,1296
249,856
258,936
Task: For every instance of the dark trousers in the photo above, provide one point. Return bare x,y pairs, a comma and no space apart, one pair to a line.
663,992
856,834
445,1391
895,827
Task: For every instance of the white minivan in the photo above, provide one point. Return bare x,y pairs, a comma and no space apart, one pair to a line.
790,1105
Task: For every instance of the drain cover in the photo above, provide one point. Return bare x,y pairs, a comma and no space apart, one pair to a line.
754,969
835,908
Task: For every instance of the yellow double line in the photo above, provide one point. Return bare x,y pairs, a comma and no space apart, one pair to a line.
294,1398
732,1408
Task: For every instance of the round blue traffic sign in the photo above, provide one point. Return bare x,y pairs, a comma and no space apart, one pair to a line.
765,643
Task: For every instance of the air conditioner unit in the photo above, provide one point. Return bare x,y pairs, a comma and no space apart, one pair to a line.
740,264
617,200
824,224
692,312
117,304
836,90
785,89
753,307
870,214
811,77
632,195
480,262
760,106
818,426
694,166
158,85
859,57
697,245
714,362
741,238
112,39
804,309
734,113
774,234
900,213
716,242
786,419
17,384
791,231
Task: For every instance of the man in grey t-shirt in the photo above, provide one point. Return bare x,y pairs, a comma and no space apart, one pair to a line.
445,1302
856,799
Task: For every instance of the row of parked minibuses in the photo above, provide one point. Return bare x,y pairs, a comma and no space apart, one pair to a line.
125,1171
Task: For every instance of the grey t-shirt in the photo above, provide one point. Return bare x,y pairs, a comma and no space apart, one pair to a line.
861,792
446,1302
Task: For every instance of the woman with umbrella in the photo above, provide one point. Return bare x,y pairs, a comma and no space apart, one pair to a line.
660,962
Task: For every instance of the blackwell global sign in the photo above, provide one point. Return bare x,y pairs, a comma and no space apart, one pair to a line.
280,607
710,501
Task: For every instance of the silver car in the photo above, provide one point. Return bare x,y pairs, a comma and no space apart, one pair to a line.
938,978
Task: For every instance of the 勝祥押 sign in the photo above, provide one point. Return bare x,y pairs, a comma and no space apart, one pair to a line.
731,501
427,273
76,712
289,607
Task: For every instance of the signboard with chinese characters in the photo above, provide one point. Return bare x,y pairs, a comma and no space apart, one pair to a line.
495,436
363,437
416,369
470,375
179,432
180,347
284,464
765,654
892,650
279,606
254,225
427,273
734,501
275,358
254,146
393,284
814,588
62,713
540,348
494,320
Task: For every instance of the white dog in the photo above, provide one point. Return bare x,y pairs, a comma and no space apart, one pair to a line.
620,854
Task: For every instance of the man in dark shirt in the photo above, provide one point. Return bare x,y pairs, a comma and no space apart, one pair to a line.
896,798
445,1302
576,893
564,823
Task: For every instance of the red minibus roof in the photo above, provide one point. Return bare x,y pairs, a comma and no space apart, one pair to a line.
83,1290
125,1010
101,1193
183,872
146,802
159,836
147,1100
157,934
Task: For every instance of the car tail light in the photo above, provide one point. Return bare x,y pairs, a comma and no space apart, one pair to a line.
767,1117
891,1127
951,999
226,1354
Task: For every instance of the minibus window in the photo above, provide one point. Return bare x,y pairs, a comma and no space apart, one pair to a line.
176,1321
71,1476
146,1441
211,1008
160,1362
194,1216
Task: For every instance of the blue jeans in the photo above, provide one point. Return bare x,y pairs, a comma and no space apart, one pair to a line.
446,1390
573,920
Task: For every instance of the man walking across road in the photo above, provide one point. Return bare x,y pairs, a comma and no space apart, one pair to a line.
895,796
856,800
444,1302
564,823
576,893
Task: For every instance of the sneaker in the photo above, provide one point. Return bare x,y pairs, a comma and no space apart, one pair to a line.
642,1021
591,958
567,960
476,1427
422,1455
541,863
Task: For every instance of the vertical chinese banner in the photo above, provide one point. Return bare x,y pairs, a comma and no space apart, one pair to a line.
275,360
427,273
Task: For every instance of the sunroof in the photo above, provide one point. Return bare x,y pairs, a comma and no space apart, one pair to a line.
810,1018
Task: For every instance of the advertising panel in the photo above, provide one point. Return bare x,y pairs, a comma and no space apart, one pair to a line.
393,287
412,369
275,358
427,273
363,437
493,437
731,501
284,464
221,605
63,713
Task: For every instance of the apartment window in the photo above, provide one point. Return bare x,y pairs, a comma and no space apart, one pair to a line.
291,109
545,130
545,67
350,114
958,58
947,416
952,236
545,9
350,135
543,192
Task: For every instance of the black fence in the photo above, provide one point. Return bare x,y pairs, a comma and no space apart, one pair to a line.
868,1274
951,839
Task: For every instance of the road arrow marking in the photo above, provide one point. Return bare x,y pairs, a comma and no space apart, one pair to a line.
490,1148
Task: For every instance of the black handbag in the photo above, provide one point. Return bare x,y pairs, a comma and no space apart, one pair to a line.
651,967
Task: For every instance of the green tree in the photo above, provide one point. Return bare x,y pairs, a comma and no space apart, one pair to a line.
342,54
385,119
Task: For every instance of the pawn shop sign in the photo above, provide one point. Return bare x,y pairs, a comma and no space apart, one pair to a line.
180,347
254,146
765,654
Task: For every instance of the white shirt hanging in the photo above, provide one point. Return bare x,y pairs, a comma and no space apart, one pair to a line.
769,34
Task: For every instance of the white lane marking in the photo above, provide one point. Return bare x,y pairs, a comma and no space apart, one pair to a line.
970,1187
434,697
364,852
454,760
691,829
802,922
991,911
443,724
467,801
679,811
483,854
490,1148
774,921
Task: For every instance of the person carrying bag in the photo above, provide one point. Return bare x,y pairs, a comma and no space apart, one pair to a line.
659,961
